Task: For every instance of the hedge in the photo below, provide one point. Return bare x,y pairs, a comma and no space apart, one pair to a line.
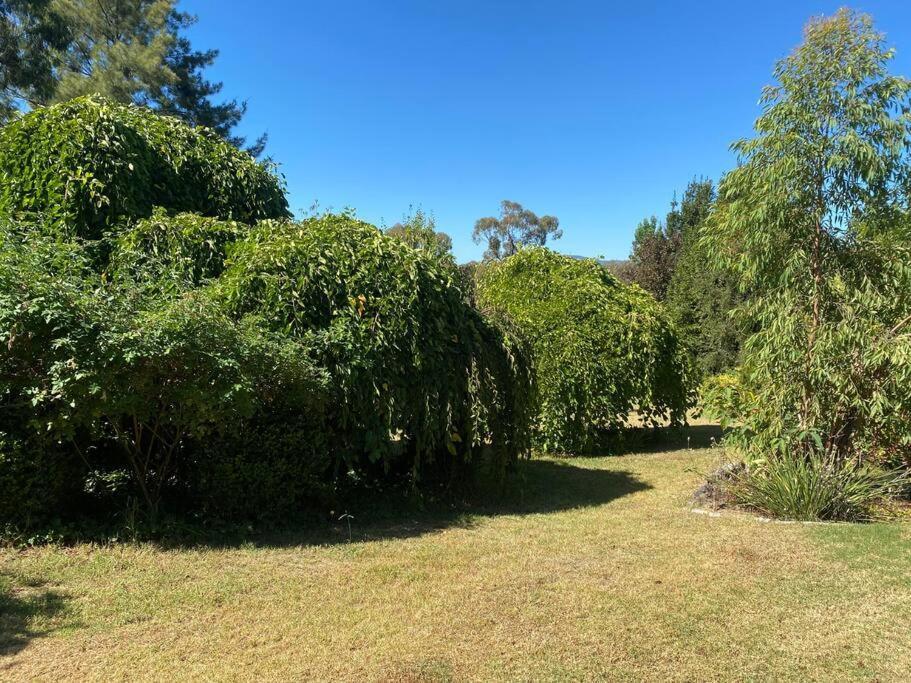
602,350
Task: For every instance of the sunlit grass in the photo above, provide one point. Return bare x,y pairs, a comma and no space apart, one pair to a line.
593,568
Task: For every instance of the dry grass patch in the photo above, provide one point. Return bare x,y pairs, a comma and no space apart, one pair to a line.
597,570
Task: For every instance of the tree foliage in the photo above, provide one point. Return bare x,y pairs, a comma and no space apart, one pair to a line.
601,349
419,377
419,231
814,224
84,166
657,246
516,227
129,52
701,298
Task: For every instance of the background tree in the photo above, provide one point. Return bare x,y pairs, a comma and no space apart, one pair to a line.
516,227
128,51
419,230
189,96
653,256
813,222
29,32
700,299
656,246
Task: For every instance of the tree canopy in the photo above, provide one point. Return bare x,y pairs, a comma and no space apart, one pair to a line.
419,230
516,227
814,224
133,51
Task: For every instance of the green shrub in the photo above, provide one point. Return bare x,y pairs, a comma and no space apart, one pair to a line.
81,167
38,480
175,252
419,378
278,466
601,349
811,487
100,369
723,397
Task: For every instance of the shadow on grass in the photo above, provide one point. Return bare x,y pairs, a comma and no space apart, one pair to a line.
665,439
27,611
537,486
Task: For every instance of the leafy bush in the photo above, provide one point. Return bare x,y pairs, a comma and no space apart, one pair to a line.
174,253
99,369
279,465
37,480
83,166
419,378
810,487
601,349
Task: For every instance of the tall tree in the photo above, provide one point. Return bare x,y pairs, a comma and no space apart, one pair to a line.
116,49
701,299
516,227
656,246
652,258
190,95
419,230
126,50
30,33
813,223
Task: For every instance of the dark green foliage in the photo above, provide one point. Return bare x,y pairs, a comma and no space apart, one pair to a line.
702,301
37,478
653,256
418,377
278,466
658,246
29,32
601,349
139,382
85,166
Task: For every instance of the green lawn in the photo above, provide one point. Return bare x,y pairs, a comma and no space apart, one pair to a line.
595,568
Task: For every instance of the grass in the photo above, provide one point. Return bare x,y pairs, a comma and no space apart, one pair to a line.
595,568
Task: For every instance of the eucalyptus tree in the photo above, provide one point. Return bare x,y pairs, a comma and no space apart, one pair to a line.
516,227
814,223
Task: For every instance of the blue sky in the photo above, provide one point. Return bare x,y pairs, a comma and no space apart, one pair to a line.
595,112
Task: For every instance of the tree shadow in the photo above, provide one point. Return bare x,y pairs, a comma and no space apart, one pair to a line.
664,439
28,610
536,487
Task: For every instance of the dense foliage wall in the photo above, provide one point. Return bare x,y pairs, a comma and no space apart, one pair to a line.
168,339
82,167
602,349
420,378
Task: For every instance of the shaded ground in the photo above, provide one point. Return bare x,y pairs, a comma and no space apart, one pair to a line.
593,569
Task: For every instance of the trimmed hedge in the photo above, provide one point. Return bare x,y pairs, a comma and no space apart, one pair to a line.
602,349
419,378
82,167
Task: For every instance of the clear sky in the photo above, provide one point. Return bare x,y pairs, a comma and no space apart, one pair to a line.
595,112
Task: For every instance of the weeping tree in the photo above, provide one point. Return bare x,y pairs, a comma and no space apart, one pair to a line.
814,224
